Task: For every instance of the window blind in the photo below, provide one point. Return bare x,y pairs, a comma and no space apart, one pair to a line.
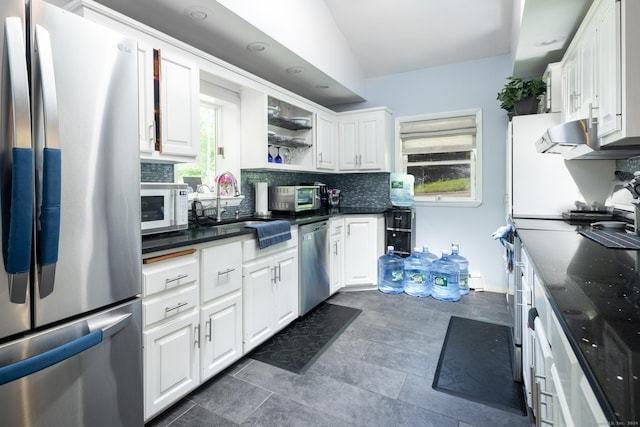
444,135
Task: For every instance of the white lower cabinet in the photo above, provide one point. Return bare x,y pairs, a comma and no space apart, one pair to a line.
192,314
270,296
362,247
336,254
560,392
221,342
171,362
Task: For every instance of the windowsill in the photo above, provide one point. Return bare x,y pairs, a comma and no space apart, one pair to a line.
448,203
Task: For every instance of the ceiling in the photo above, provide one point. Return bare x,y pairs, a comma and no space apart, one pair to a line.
370,38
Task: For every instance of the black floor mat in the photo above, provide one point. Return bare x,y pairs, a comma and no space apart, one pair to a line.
475,364
297,346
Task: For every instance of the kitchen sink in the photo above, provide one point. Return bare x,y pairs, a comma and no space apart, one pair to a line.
236,226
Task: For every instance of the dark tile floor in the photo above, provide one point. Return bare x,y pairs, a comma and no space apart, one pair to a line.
377,373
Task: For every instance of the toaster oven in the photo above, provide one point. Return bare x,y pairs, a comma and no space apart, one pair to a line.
294,198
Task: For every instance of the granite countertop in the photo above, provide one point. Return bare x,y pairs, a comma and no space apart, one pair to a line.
595,293
195,235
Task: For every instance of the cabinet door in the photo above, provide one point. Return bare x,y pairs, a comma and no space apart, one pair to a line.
325,143
360,251
336,255
171,362
179,101
221,334
258,296
146,128
608,75
371,141
221,270
349,128
587,88
286,291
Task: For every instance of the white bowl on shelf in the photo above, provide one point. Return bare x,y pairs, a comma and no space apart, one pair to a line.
301,121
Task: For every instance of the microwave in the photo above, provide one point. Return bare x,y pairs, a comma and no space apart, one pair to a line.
294,198
163,207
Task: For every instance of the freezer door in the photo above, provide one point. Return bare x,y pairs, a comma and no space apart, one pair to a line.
85,114
16,175
84,373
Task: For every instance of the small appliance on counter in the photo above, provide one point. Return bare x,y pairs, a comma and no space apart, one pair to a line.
294,198
334,198
164,207
323,192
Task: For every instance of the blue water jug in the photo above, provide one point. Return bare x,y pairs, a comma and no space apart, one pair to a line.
416,275
390,273
444,278
463,265
428,256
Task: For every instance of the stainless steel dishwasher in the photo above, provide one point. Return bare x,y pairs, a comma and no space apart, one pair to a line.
314,265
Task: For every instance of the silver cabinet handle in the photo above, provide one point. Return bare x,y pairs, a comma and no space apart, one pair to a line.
152,131
175,307
208,334
273,275
279,273
335,246
196,333
227,271
175,279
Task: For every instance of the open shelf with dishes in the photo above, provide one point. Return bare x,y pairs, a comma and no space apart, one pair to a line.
289,135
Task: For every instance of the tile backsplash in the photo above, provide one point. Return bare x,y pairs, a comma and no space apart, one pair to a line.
363,190
367,190
156,172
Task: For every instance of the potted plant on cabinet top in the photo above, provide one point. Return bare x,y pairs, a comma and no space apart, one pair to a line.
520,96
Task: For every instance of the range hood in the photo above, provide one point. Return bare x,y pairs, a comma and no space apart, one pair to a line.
577,140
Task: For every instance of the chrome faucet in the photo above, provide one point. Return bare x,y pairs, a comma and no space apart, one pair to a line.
236,193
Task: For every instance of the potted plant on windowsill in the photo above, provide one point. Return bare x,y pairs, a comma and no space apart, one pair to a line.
520,96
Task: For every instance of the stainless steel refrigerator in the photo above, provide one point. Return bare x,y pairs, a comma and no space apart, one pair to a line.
70,310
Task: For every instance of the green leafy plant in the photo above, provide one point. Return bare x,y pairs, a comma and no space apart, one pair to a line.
518,89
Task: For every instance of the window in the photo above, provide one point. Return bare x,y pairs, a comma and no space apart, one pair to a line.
209,132
443,153
219,123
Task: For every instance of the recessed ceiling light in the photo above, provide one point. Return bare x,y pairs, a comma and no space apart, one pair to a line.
295,70
257,46
197,12
323,86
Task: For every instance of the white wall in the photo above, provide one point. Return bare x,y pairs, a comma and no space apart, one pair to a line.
454,87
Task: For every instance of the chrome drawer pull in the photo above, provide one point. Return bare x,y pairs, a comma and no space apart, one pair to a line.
175,307
181,276
227,271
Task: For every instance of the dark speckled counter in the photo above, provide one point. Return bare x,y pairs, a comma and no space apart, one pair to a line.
595,292
196,235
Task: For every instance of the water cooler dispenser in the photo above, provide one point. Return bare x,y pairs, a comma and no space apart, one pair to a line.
400,225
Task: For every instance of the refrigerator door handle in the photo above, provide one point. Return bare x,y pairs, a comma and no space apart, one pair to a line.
49,208
17,188
56,355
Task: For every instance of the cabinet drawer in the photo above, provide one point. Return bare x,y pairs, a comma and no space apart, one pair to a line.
169,305
221,270
169,274
336,226
567,366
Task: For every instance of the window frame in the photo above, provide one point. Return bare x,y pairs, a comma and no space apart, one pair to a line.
475,161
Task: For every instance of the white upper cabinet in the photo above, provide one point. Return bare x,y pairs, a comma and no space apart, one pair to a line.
365,140
599,71
326,142
179,107
168,89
